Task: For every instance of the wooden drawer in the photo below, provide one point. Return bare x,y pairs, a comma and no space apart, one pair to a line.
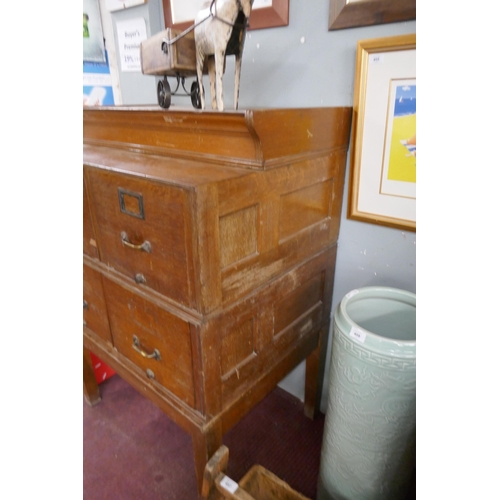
143,231
153,339
95,315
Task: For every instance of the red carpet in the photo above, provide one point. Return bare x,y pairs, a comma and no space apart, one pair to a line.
133,451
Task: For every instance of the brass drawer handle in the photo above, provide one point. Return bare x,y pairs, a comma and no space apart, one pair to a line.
145,247
137,347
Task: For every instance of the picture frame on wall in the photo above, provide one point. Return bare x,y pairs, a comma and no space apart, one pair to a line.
382,184
356,13
93,39
114,5
180,14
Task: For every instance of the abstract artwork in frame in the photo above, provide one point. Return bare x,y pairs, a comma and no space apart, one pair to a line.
382,187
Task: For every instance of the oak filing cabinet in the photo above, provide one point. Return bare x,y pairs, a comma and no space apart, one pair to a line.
209,255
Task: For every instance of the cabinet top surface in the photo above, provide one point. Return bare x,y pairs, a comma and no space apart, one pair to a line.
252,138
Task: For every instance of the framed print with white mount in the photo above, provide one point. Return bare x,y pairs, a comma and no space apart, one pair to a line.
180,14
383,177
113,5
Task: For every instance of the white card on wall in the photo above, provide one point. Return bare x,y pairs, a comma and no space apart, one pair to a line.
130,34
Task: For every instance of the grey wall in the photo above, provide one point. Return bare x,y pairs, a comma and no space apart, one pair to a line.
303,65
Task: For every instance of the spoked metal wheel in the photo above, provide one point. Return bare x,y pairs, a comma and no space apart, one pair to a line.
195,95
164,94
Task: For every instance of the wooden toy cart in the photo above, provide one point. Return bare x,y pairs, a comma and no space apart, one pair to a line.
171,53
257,484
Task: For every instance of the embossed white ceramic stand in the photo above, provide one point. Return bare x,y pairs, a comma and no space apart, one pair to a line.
368,450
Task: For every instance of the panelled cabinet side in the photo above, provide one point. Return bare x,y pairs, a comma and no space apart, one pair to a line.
271,221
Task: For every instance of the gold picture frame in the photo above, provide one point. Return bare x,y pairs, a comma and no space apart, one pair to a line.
382,184
274,15
355,13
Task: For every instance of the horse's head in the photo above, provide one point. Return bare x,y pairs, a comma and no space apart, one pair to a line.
247,7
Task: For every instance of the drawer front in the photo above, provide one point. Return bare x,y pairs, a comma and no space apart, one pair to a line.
153,339
142,230
89,240
95,314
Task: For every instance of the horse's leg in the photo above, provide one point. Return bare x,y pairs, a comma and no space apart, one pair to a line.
237,72
200,60
219,71
211,72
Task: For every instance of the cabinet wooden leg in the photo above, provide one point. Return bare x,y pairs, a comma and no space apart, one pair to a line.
90,387
315,372
205,443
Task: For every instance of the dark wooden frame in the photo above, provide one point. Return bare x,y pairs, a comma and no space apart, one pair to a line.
344,14
270,17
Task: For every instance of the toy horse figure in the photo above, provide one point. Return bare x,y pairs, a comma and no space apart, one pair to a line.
220,29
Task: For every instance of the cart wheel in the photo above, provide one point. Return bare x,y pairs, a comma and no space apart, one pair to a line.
164,94
195,95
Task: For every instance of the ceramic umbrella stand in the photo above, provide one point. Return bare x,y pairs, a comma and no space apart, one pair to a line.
368,450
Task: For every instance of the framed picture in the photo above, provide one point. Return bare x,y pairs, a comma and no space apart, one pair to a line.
180,14
382,185
113,5
354,13
93,39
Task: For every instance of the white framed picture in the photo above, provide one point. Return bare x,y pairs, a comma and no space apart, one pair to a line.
180,14
113,5
93,40
382,187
